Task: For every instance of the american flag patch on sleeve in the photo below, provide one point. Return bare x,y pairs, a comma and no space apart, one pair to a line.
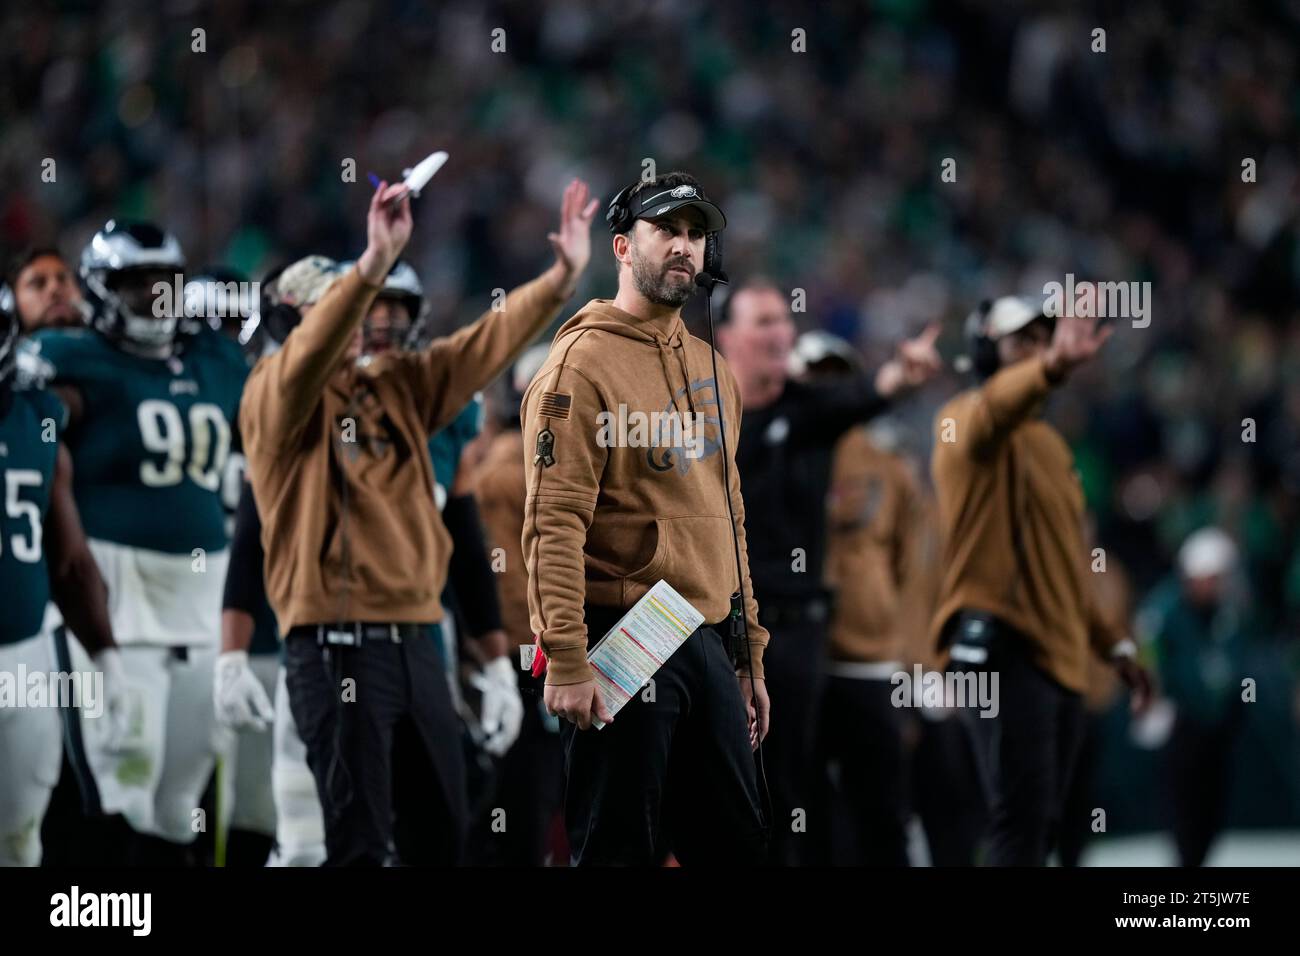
555,405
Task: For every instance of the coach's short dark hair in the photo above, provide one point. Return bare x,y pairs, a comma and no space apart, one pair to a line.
667,181
25,258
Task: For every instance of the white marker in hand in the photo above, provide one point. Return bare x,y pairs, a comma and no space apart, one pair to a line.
416,177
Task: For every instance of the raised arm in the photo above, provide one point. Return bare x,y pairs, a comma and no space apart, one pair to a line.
446,374
842,405
1012,395
286,386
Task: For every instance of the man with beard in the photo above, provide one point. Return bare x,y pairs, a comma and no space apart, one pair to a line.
42,291
606,519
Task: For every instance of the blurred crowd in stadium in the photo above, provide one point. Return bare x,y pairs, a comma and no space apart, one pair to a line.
1120,165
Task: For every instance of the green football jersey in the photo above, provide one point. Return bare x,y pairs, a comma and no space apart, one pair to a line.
28,451
150,449
446,445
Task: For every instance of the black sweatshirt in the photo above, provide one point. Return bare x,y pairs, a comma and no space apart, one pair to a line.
470,578
784,459
245,589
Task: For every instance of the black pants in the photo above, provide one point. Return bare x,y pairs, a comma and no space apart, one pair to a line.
528,786
1076,815
1198,762
945,791
861,750
399,690
794,665
1026,754
673,774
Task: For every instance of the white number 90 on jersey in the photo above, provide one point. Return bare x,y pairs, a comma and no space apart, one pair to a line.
163,432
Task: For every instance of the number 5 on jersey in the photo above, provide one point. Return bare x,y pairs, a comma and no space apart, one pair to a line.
25,549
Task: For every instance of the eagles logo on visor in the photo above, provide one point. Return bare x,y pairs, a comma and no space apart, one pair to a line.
653,203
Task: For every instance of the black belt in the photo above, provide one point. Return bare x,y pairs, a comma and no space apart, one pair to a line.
355,633
972,635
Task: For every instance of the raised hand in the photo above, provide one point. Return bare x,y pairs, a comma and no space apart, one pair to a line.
388,229
915,362
572,242
1075,341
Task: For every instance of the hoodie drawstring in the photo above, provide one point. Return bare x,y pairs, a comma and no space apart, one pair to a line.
668,346
686,375
673,344
664,352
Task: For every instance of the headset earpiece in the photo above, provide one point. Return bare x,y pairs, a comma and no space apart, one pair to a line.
713,257
983,350
280,320
619,213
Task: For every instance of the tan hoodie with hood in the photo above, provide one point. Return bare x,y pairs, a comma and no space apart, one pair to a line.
349,523
1011,507
617,499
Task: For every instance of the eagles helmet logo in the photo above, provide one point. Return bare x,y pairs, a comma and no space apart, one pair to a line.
681,192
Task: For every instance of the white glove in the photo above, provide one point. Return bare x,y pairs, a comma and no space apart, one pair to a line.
502,707
239,697
117,701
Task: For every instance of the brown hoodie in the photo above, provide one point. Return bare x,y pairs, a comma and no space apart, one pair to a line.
1011,508
605,518
338,456
499,488
872,528
921,582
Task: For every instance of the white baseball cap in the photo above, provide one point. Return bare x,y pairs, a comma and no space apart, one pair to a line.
1207,553
304,282
1009,314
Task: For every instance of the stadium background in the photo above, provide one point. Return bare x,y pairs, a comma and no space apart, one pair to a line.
1123,165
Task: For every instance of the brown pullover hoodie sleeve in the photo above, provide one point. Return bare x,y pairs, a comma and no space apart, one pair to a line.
558,511
445,376
1107,626
1006,399
284,388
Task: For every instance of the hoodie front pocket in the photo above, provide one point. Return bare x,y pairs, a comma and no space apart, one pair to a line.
694,554
651,568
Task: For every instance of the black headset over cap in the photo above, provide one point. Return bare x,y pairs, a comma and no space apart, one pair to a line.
991,320
652,203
